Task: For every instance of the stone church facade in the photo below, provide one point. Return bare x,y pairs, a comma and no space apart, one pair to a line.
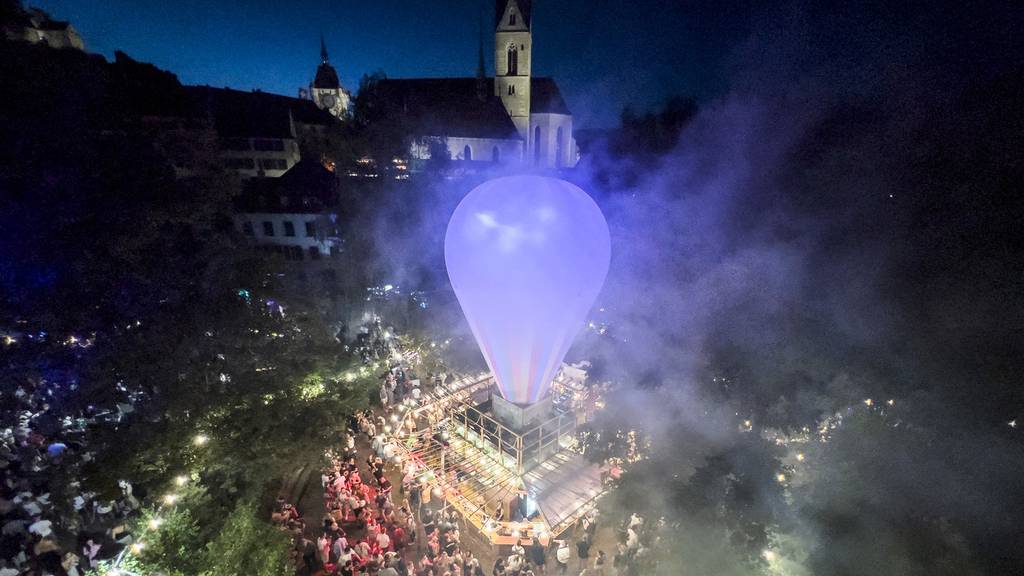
512,117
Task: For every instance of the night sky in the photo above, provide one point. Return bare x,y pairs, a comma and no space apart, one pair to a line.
605,54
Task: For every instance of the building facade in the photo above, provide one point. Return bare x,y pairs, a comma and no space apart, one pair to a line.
36,26
295,215
258,133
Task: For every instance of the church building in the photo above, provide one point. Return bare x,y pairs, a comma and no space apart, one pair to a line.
513,117
326,89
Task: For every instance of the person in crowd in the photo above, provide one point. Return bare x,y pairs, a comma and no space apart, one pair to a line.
562,556
583,550
537,555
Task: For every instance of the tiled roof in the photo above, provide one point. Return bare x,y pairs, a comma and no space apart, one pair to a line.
326,77
306,188
525,7
446,107
256,114
546,98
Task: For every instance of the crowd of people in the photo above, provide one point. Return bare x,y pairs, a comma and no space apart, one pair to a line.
51,525
368,529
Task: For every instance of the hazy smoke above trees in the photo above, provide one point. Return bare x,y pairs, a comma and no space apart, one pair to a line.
842,224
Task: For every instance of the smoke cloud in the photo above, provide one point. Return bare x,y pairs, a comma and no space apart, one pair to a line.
840,225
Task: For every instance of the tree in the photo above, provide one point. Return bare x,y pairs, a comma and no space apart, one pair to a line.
248,545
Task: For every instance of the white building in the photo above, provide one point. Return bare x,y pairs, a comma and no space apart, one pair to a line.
36,26
512,117
294,215
258,132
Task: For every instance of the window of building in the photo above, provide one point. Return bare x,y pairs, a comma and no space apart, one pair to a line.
467,152
274,163
235,143
291,252
240,163
310,229
511,18
247,228
268,144
314,253
558,147
536,145
268,228
513,61
495,154
511,89
289,228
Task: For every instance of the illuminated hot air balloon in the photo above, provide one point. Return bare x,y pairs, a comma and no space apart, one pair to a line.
527,256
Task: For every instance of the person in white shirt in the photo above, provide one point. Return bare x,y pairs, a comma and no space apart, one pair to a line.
562,555
514,564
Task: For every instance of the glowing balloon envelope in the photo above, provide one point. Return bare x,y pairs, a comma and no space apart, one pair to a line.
527,256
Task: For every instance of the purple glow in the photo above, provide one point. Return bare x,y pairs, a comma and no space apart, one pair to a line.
527,256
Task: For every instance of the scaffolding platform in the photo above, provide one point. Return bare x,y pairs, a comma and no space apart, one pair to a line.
511,484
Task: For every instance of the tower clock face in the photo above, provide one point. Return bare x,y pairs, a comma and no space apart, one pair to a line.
328,100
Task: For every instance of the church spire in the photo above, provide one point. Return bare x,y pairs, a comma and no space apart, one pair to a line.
323,49
481,74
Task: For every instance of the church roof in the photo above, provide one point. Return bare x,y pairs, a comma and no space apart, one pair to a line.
446,107
546,98
525,8
256,114
326,77
306,188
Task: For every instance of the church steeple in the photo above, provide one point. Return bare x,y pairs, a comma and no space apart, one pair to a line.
513,45
326,88
481,73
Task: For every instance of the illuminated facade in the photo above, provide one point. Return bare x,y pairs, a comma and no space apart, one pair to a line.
326,89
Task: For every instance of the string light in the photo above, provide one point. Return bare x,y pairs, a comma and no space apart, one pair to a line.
180,480
170,499
800,456
200,439
868,402
155,523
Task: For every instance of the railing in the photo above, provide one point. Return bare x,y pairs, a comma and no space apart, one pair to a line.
523,448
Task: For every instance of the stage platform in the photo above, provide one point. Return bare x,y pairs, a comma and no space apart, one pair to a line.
492,473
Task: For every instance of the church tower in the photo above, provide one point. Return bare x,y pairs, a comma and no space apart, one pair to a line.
513,47
326,89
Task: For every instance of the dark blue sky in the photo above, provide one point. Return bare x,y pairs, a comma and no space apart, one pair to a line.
605,54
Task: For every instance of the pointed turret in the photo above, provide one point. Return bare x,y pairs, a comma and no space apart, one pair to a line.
326,88
481,73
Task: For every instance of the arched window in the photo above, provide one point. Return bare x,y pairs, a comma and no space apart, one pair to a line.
513,60
536,145
558,148
495,155
467,153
